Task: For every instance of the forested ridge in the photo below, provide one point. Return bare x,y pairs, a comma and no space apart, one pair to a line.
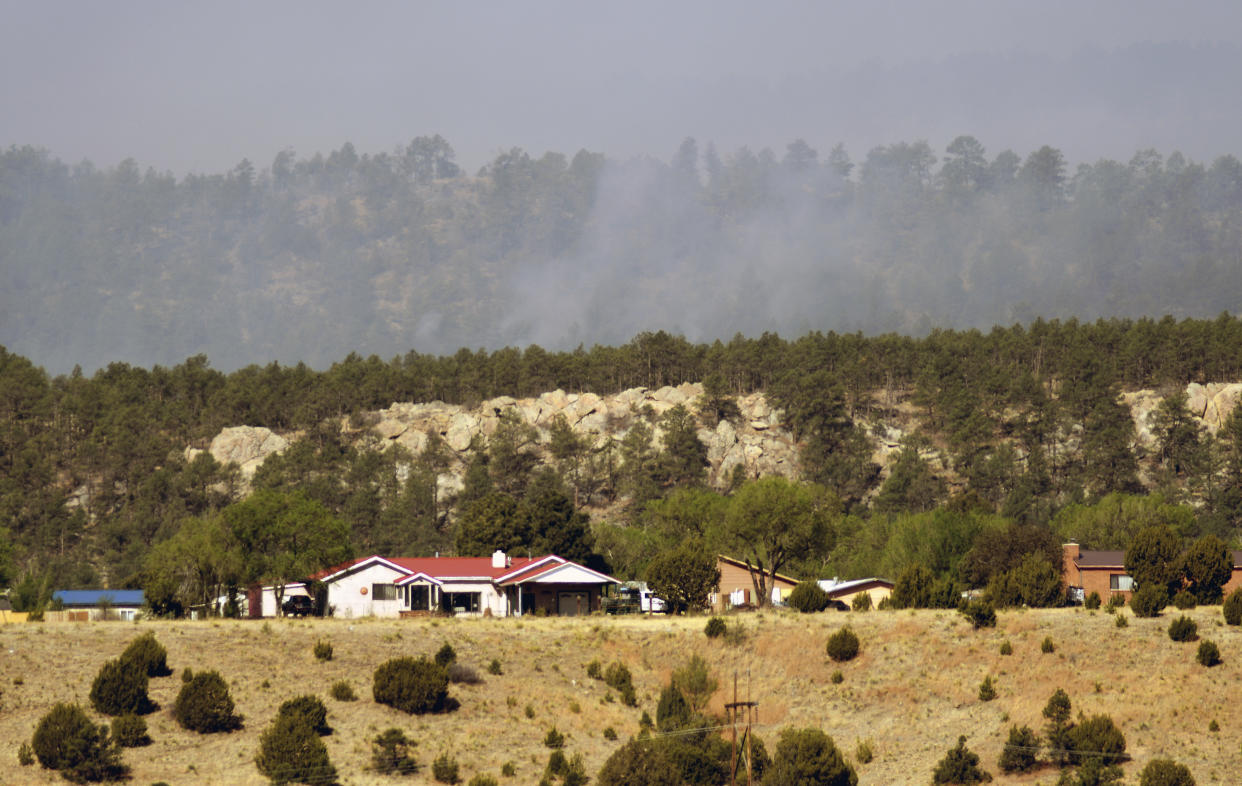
310,258
1018,437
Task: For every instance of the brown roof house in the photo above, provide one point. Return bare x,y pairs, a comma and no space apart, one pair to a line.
1104,572
737,585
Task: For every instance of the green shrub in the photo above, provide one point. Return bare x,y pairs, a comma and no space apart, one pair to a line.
1184,600
291,752
25,755
149,654
640,761
618,677
509,769
960,765
673,711
610,733
530,712
1232,608
494,667
1165,772
808,756
1006,648
554,739
120,688
1183,629
413,685
205,706
1116,601
342,691
843,645
444,769
446,655
715,628
1209,654
808,598
1046,646
987,689
1149,601
323,650
483,779
595,670
186,674
1021,751
66,740
864,752
392,753
837,677
1096,738
980,613
130,731
460,673
309,710
861,602
1092,601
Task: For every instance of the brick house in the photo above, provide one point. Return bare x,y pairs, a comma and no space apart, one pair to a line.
1104,572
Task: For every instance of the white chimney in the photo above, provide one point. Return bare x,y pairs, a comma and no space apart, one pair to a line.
498,559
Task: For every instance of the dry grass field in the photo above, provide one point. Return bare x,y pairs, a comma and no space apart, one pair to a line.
911,691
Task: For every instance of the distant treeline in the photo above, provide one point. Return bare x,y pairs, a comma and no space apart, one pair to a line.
310,258
1027,416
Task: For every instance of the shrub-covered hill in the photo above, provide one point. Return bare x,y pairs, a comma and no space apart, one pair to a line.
910,692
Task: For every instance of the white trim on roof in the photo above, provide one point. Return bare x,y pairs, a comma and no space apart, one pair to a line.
363,562
419,576
529,567
566,566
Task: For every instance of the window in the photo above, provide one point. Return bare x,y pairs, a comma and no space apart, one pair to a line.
1120,583
461,602
384,592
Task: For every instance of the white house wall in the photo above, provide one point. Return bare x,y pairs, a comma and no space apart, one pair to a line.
346,599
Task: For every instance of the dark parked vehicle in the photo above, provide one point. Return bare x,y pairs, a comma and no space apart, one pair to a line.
297,606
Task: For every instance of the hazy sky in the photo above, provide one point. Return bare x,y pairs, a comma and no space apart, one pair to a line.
198,86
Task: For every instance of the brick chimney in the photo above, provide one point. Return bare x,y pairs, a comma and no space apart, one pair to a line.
1069,570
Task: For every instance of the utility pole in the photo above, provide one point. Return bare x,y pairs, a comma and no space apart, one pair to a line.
734,707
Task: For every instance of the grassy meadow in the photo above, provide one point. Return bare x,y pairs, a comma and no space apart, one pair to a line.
910,692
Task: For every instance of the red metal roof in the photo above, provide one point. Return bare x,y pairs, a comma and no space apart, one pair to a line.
443,567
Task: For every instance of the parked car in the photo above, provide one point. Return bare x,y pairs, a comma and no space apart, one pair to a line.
298,606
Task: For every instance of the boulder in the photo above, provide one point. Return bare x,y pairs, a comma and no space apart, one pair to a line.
247,447
461,430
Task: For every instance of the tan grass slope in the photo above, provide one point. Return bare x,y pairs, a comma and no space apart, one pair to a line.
912,690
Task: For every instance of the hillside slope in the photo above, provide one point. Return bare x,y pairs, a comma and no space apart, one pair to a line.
911,691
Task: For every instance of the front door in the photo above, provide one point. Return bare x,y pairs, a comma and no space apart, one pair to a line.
573,604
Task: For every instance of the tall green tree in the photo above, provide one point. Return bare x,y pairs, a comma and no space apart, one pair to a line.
285,537
773,520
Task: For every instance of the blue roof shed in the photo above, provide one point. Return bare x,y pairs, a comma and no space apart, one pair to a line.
76,599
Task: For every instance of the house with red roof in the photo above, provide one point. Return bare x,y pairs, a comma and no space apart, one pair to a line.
498,586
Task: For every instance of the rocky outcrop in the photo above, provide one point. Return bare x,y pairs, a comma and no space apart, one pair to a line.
757,441
245,446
